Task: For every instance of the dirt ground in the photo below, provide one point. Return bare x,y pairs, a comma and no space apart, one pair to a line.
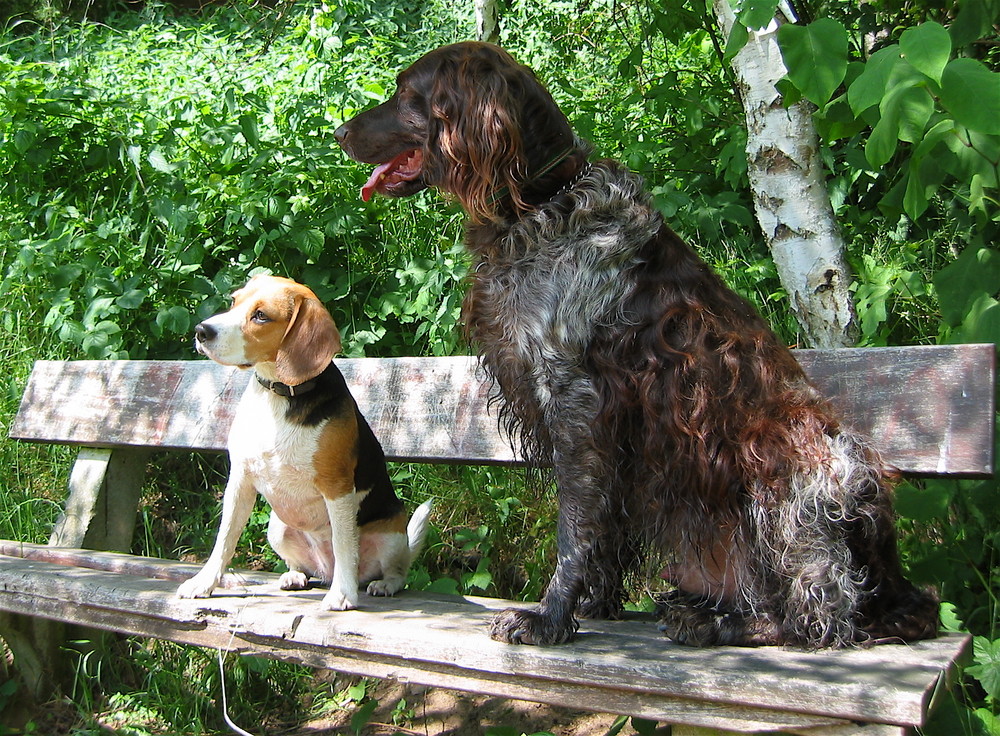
437,712
426,712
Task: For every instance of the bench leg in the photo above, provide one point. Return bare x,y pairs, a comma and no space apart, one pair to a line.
99,514
34,647
104,490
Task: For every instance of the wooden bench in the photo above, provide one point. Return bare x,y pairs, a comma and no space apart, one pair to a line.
931,410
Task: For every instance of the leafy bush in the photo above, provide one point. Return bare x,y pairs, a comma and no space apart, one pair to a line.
136,207
151,163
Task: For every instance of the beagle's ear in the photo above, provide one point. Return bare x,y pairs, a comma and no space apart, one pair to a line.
309,344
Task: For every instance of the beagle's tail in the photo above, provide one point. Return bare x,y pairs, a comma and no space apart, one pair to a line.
416,530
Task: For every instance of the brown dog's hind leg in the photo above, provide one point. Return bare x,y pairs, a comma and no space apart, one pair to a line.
700,622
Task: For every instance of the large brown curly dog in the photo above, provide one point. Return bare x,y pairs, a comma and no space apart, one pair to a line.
676,422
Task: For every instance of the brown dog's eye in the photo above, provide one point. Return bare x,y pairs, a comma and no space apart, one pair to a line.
259,317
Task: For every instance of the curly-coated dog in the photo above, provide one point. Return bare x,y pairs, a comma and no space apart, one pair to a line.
677,423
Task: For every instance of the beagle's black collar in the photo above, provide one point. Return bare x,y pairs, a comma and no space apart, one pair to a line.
283,389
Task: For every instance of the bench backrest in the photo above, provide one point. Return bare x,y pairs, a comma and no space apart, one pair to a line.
929,409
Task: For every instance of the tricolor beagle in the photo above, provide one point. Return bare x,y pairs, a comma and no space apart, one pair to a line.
299,440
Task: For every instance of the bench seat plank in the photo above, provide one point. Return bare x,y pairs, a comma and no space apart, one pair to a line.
929,409
621,667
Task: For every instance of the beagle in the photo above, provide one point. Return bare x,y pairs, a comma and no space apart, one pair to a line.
299,440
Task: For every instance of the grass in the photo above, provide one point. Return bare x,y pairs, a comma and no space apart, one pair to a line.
149,162
33,477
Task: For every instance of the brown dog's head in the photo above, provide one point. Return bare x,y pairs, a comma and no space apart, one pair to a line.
276,325
470,120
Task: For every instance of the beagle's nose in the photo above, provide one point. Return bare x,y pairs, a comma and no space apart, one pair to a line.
204,332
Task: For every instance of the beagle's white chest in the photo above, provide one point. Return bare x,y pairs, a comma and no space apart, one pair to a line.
277,454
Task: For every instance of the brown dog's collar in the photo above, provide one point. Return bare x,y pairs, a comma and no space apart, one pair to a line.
283,389
558,159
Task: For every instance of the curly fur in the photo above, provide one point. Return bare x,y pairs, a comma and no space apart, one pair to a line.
678,426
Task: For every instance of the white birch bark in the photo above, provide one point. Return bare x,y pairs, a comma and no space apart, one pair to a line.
790,195
487,22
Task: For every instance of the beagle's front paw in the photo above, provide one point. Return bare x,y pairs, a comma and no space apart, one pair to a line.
200,586
386,586
339,600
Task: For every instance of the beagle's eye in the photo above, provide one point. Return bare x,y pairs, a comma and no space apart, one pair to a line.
259,317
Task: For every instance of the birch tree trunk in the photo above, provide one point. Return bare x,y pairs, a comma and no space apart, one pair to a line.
487,21
790,195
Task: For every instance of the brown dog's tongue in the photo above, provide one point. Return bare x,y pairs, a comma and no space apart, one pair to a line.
405,167
375,179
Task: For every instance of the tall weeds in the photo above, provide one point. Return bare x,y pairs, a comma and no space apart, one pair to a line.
151,162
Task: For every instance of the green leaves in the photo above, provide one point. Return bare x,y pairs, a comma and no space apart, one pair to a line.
974,273
912,92
974,21
140,201
927,48
816,57
905,107
869,86
987,665
755,14
967,290
159,162
971,93
175,319
922,504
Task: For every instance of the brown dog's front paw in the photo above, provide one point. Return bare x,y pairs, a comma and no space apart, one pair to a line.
521,626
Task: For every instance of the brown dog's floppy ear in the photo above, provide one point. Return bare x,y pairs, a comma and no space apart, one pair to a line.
309,344
475,124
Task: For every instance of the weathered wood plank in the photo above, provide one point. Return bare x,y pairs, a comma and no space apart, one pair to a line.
930,409
430,409
147,567
168,404
620,667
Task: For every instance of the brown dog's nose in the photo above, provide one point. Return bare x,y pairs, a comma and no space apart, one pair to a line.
341,134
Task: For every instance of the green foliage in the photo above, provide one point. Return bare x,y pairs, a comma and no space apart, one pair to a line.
893,291
134,209
967,288
8,689
51,12
951,540
918,92
641,726
987,667
816,57
151,163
